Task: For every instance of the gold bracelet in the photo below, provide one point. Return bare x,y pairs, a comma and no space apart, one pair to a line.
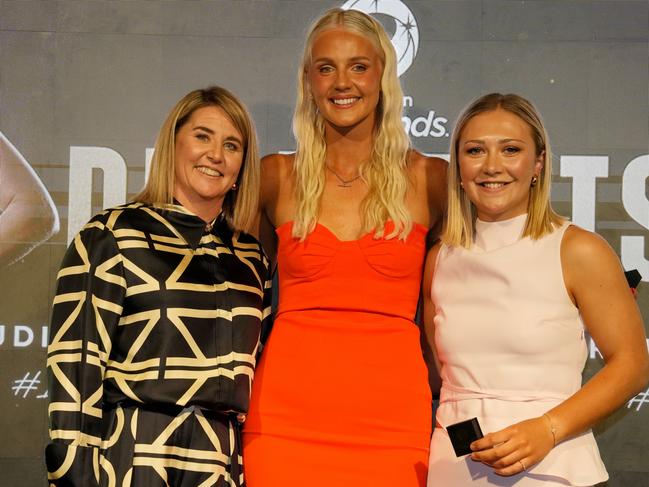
553,430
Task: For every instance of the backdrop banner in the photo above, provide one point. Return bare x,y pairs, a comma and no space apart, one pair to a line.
85,86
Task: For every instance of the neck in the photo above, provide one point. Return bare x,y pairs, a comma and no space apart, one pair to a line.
346,154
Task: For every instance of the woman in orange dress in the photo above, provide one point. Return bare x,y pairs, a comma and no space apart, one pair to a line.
341,396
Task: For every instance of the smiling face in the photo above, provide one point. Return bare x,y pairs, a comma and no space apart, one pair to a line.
345,78
208,157
497,159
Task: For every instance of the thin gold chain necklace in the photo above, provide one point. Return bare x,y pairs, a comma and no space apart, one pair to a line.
342,182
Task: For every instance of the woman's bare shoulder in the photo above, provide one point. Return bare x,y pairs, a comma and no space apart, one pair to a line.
584,247
429,164
277,164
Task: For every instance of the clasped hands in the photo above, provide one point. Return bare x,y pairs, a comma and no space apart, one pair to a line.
515,448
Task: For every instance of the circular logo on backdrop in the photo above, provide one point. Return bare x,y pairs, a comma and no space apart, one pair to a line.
406,35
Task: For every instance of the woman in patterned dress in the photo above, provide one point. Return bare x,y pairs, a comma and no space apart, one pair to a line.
156,320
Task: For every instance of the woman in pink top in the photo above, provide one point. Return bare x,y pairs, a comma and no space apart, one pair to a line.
510,292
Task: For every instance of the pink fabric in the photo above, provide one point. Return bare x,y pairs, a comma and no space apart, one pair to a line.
511,345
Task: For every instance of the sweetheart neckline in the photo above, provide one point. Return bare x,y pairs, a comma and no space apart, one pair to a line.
289,223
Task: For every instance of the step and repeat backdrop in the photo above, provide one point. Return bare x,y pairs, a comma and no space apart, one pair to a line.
85,85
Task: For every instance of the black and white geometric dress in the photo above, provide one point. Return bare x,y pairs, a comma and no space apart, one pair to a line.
154,335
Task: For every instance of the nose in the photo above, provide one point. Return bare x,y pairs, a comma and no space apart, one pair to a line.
215,153
492,163
342,80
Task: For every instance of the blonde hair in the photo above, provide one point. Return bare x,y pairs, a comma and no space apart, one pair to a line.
385,172
239,207
541,218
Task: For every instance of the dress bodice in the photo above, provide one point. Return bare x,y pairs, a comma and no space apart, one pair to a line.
173,302
504,301
368,273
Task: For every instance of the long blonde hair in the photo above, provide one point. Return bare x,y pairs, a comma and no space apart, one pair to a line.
541,218
385,172
239,207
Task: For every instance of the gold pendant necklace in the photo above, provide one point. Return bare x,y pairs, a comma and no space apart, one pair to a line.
210,225
342,182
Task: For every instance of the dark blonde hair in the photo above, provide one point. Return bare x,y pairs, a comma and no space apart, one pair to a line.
239,207
541,218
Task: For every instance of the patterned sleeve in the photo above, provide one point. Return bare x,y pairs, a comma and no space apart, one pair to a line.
86,310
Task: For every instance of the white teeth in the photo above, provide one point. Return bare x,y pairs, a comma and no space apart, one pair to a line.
208,171
493,185
345,101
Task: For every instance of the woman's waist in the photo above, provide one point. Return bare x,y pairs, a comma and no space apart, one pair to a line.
360,300
453,393
494,408
218,395
170,409
508,377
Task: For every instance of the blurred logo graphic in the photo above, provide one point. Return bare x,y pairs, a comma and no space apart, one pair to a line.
406,35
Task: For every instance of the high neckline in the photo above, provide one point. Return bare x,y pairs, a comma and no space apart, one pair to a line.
495,235
192,227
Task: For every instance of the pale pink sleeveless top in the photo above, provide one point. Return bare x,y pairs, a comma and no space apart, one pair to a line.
510,341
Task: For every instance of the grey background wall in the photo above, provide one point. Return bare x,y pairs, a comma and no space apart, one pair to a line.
81,74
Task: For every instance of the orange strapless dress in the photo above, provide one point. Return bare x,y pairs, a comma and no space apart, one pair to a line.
340,396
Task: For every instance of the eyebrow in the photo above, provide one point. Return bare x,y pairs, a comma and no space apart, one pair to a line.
501,141
205,129
330,60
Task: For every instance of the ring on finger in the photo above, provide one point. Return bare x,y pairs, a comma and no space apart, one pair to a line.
522,465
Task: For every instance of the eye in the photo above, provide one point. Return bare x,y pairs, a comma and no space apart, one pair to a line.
474,151
232,146
202,136
359,68
325,69
511,150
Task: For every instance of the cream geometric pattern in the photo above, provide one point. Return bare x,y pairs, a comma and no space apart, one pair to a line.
155,333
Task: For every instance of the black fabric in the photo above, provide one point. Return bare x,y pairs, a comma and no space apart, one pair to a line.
155,317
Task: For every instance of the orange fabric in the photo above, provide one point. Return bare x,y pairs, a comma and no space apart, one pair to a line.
341,396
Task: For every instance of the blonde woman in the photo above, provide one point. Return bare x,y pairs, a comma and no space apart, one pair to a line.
158,312
509,295
342,396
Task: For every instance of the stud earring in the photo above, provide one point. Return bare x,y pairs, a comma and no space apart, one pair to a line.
534,180
234,187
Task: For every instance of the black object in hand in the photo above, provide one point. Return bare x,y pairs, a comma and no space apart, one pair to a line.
633,278
463,434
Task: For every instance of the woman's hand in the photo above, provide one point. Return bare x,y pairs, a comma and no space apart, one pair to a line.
515,448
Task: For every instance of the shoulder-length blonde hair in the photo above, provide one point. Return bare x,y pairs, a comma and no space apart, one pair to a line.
240,206
541,218
385,172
